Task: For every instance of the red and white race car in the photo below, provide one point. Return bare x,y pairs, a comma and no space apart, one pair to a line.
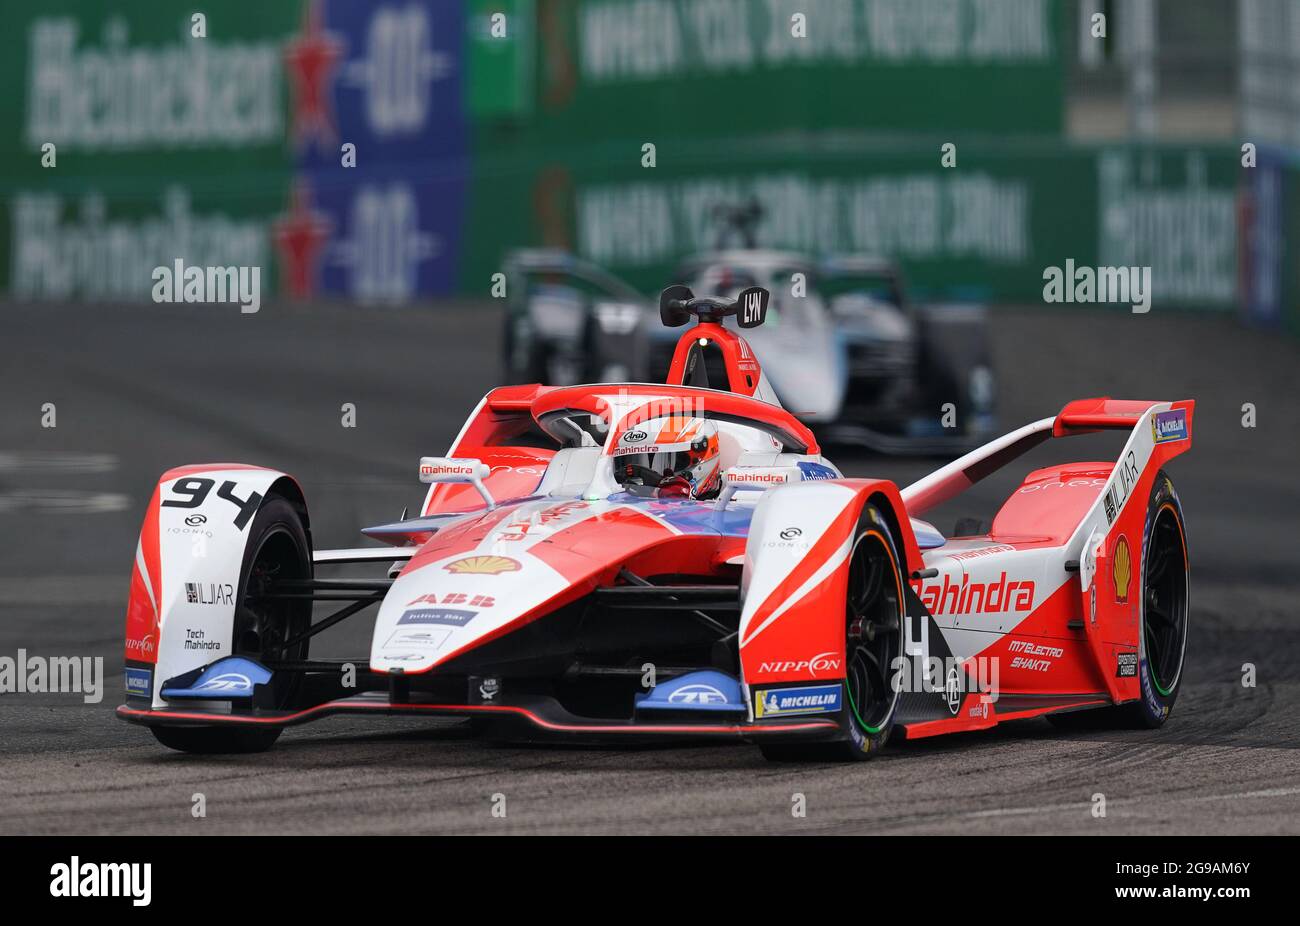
638,561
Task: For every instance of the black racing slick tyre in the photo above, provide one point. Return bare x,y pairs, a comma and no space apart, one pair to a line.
873,631
277,548
1164,607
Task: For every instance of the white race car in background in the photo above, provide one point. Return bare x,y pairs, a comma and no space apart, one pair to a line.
844,347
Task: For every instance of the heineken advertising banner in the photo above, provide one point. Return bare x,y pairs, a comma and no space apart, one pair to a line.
392,150
134,135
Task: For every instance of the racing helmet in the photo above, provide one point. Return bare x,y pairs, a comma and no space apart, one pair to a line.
675,457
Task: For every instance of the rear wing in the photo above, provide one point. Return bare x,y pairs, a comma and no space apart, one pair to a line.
1161,430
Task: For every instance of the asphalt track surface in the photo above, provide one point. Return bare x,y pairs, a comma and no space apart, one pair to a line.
139,390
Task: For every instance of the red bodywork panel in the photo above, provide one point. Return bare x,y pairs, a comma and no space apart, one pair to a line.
743,370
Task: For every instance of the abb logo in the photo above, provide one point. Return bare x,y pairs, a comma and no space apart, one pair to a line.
474,601
822,663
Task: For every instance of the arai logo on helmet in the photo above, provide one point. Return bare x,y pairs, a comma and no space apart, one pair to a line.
697,694
634,437
817,665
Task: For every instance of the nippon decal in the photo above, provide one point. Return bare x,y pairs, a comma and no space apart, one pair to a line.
1122,482
483,565
1034,657
144,647
821,664
474,601
969,597
1126,665
1121,571
448,617
782,702
1169,426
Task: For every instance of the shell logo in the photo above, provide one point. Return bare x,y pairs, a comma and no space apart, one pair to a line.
483,565
1122,570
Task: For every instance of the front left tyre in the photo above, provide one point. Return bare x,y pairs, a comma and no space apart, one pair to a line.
277,549
873,640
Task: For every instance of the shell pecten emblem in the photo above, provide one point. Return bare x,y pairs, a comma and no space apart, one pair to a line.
1122,570
483,565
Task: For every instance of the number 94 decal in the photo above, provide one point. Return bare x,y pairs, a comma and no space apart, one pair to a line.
194,491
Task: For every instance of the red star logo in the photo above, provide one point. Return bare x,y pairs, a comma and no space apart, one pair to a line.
311,59
299,236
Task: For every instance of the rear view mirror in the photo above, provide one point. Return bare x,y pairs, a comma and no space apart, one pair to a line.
434,470
671,313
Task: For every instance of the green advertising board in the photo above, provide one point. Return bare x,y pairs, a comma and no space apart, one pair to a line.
649,69
127,140
985,228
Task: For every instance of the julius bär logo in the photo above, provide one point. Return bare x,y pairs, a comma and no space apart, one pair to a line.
483,565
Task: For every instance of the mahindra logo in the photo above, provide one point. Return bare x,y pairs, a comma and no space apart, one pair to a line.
790,533
757,477
967,597
827,662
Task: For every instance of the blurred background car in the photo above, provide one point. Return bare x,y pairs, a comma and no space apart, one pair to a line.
843,346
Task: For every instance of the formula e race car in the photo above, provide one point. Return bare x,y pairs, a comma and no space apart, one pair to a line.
635,562
844,347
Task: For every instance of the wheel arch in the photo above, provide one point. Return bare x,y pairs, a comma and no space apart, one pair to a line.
793,587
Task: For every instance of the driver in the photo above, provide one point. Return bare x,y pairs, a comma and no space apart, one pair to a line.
675,457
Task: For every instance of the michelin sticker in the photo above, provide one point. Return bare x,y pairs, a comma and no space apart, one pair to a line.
781,702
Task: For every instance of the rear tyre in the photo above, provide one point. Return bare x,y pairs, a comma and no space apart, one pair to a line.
873,631
277,548
1164,606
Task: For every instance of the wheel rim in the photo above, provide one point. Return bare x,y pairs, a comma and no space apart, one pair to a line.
1164,602
873,615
